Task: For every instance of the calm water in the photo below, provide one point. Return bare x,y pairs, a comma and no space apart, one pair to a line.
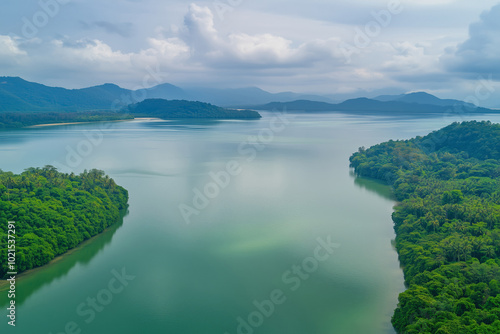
287,189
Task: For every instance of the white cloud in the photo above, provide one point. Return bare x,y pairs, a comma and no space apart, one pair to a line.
9,47
412,58
200,30
263,49
367,74
170,49
94,52
260,50
11,55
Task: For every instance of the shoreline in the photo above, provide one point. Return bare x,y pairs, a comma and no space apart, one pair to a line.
4,284
75,123
90,122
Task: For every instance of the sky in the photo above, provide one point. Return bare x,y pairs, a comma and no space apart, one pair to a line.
342,48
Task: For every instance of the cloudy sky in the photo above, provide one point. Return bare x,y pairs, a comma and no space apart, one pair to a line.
358,47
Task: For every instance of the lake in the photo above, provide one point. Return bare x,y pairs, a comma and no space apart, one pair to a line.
233,227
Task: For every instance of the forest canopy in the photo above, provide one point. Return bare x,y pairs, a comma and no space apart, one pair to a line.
447,225
54,212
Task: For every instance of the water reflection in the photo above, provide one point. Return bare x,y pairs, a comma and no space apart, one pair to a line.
372,185
30,282
191,124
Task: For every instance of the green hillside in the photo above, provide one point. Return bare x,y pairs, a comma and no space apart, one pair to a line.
447,226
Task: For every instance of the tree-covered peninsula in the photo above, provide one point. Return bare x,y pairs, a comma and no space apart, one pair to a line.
182,109
447,226
54,212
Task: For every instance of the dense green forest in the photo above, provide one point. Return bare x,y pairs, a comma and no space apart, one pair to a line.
14,120
447,226
55,212
178,109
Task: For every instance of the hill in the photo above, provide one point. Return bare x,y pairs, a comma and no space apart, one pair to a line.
17,94
370,106
180,109
447,225
422,98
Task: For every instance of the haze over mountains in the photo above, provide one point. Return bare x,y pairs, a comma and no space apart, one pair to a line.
411,104
17,94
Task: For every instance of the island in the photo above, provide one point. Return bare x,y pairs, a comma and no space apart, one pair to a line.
54,212
182,109
158,108
447,225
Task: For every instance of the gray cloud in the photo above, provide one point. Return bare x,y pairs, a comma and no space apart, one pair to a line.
478,55
122,29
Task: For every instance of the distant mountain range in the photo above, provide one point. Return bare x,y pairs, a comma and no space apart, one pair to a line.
17,94
386,105
422,98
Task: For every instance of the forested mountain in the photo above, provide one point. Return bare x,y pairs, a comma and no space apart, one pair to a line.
422,98
54,212
374,107
447,226
17,94
178,109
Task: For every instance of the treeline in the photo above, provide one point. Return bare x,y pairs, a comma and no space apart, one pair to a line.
447,226
12,120
54,212
179,109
